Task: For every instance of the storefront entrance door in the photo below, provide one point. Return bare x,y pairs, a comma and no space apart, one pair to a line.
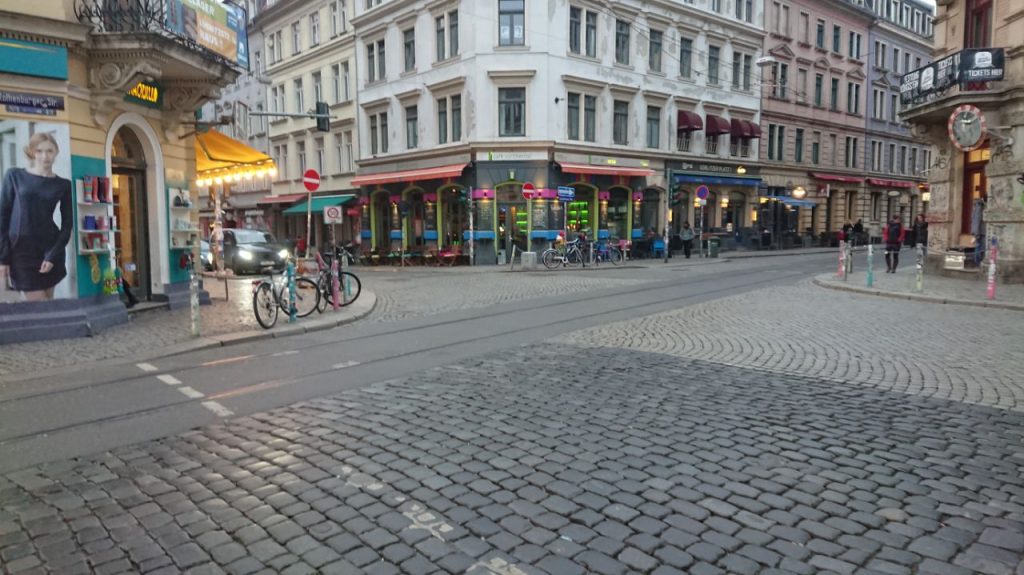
132,241
513,224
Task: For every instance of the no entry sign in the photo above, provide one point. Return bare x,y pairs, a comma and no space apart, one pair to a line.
311,179
528,191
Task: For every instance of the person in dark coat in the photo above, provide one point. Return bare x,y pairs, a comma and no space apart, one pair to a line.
921,231
892,235
32,247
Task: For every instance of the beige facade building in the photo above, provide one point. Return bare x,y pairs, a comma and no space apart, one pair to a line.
976,195
308,55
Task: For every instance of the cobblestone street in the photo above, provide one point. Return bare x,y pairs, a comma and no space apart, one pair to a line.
609,450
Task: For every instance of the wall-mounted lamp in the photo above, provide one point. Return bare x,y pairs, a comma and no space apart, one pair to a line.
725,202
926,197
799,192
741,170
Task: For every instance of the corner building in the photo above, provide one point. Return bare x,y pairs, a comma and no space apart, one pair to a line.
626,103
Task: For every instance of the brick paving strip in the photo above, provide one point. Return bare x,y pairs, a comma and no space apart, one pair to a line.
592,460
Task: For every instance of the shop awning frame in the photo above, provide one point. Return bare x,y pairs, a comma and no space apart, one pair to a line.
836,178
793,201
220,155
408,176
319,203
715,180
716,125
281,199
570,168
884,183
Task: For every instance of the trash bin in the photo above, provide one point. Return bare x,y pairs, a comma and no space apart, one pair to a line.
713,245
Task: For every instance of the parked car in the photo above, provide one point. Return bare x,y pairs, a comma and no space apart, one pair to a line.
205,255
252,251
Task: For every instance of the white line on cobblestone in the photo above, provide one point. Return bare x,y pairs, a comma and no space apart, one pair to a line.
218,409
146,366
227,360
345,364
169,379
289,352
189,392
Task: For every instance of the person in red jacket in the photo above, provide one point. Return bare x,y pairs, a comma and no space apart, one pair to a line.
893,234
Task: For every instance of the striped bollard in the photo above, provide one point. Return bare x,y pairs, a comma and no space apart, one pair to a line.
993,254
919,279
871,265
292,311
842,260
335,286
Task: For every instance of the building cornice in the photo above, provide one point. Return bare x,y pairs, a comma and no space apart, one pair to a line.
43,30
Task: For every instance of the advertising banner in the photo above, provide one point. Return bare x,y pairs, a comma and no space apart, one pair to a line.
36,211
219,27
963,67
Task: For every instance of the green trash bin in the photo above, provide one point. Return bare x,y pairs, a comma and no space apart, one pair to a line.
713,245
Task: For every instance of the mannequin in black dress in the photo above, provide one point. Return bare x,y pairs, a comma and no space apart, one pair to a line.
32,247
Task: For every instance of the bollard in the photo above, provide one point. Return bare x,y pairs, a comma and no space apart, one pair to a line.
919,279
335,289
842,260
193,296
346,283
849,259
871,265
292,317
993,254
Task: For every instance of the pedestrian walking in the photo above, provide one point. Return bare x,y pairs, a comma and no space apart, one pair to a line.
686,234
892,236
921,231
858,231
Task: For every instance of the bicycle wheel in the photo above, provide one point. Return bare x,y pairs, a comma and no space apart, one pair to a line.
354,285
548,258
574,257
264,305
615,256
307,294
324,285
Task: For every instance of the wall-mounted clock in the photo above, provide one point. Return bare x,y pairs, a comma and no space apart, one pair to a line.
967,128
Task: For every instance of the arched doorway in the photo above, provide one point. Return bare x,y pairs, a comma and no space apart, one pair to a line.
513,218
618,213
680,210
128,184
385,219
454,217
416,220
650,208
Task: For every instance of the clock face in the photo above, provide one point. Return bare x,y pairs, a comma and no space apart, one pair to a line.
966,128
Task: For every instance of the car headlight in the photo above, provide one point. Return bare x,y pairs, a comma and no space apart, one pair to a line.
245,255
283,254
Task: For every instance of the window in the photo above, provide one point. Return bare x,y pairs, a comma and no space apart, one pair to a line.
344,81
380,60
273,99
453,33
684,138
261,121
384,132
440,39
300,107
906,62
314,29
854,48
375,60
834,142
411,127
320,155
776,139
853,98
713,63
271,49
446,38
442,121
903,160
349,160
780,73
741,71
804,33
318,90
653,127
257,63
296,38
456,118
511,23
335,21
739,146
372,3
913,162
620,122
575,29
780,24
574,116
819,37
590,118
716,6
876,206
801,86
876,156
880,52
819,81
896,60
798,146
816,149
837,39
282,168
373,135
917,61
301,154
685,57
893,107
409,41
745,10
878,104
851,152
654,52
511,110
622,42
336,82
834,105
711,145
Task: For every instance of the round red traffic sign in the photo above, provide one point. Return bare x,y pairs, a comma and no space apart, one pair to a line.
311,179
528,191
702,192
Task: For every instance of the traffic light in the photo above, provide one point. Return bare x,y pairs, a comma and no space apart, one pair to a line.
323,120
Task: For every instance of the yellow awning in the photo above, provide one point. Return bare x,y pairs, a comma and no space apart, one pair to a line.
218,155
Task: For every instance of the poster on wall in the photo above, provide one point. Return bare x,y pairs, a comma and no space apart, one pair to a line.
36,212
218,26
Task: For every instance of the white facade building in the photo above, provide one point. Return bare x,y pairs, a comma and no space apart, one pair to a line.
614,100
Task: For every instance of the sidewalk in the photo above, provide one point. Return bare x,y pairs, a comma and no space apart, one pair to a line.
937,289
160,333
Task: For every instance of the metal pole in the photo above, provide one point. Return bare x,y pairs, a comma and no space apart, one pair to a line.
193,296
919,283
993,255
849,258
842,260
870,265
309,220
665,232
401,244
218,229
700,232
334,272
292,317
346,284
472,259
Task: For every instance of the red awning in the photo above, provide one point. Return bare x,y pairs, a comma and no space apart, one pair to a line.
282,199
890,183
740,128
606,170
440,172
689,121
836,178
755,130
716,125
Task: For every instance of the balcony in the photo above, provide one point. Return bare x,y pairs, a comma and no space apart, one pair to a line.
970,76
683,142
159,42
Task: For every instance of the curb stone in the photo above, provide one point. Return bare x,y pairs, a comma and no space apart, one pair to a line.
827,284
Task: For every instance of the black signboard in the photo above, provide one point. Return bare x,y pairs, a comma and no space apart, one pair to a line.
540,215
430,216
982,64
966,66
484,215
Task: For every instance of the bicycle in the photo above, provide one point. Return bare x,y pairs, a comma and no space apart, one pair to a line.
269,297
325,287
607,252
571,257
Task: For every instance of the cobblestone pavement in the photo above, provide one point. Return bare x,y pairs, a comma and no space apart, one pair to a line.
904,282
592,460
963,354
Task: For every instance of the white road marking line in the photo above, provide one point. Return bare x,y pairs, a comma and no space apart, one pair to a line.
189,392
280,353
343,365
228,360
169,379
218,409
146,366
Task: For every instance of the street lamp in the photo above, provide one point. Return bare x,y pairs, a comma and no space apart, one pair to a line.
741,170
799,192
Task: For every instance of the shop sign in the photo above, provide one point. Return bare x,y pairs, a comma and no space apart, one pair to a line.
33,59
26,103
146,93
894,193
218,27
970,65
982,64
524,156
712,168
